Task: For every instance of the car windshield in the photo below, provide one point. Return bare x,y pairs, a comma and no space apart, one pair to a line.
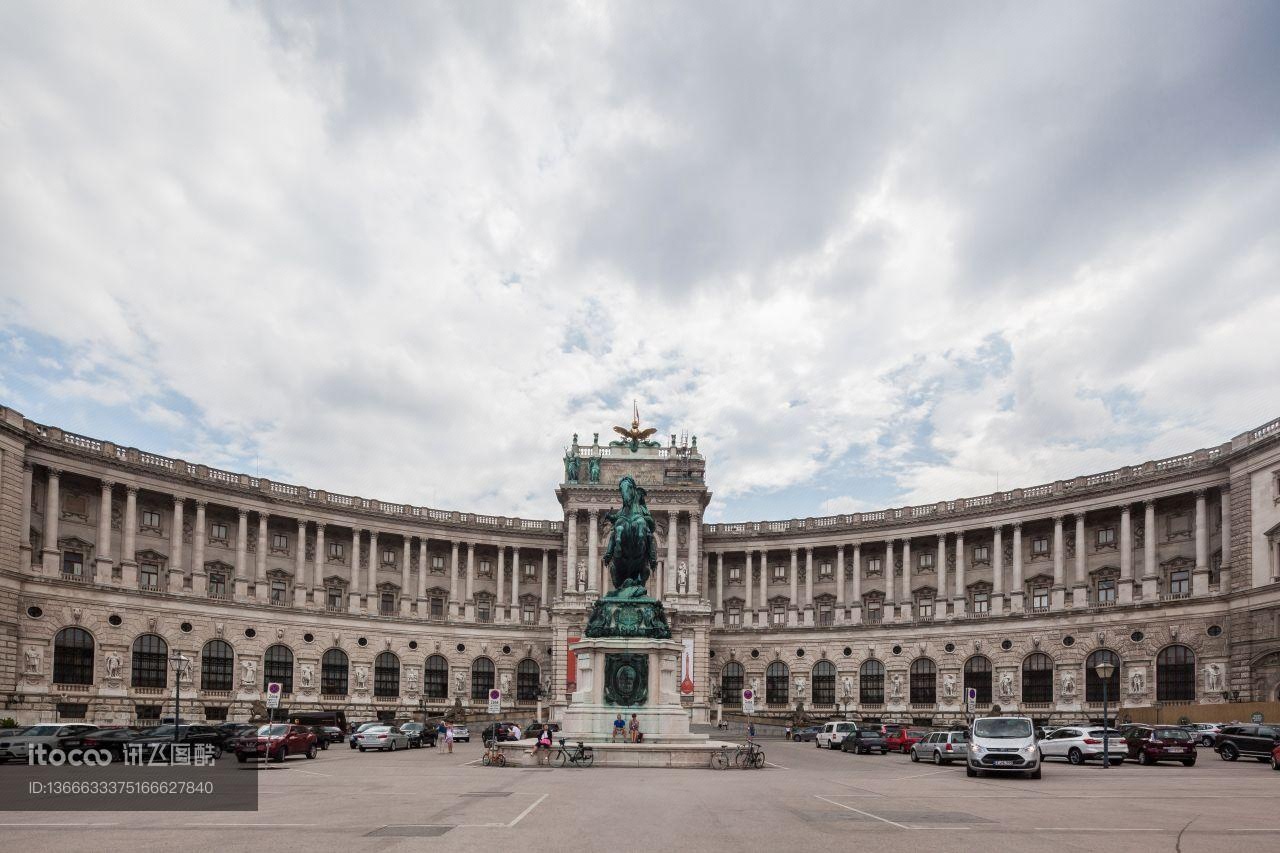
1002,727
956,737
1171,734
40,731
1101,732
272,730
377,729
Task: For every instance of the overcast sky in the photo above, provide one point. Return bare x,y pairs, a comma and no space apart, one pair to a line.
871,255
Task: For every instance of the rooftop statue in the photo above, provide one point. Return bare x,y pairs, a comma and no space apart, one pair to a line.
570,466
636,438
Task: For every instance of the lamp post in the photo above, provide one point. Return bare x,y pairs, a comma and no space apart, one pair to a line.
1105,670
179,667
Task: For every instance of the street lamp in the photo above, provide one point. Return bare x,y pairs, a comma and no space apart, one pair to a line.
1105,670
180,662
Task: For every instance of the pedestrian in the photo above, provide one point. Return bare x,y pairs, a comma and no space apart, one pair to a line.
515,731
787,731
618,728
635,729
448,738
751,729
439,732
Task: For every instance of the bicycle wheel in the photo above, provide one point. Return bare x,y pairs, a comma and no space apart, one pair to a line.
561,758
740,758
758,760
587,758
485,759
500,760
719,760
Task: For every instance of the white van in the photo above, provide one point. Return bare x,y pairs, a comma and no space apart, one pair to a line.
833,734
1003,745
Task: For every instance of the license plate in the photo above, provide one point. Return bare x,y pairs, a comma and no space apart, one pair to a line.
1001,761
1177,749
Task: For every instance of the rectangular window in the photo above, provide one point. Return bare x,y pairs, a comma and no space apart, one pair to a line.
528,615
1180,582
215,714
982,554
149,576
73,563
735,616
925,561
483,614
1040,598
779,573
279,542
1106,536
387,604
437,606
486,569
826,614
388,557
151,518
735,574
530,571
924,608
148,713
218,532
981,602
437,563
217,586
335,550
1040,545
778,614
277,592
72,710
875,612
824,570
1107,591
333,598
874,567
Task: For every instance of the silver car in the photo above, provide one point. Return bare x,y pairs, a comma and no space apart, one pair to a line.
52,735
941,747
1078,744
382,737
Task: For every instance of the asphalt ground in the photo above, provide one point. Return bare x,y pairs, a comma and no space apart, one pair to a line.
804,799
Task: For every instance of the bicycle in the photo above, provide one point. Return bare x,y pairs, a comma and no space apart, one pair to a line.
492,757
582,756
720,759
749,756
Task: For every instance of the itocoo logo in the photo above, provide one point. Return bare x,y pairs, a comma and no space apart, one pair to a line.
41,755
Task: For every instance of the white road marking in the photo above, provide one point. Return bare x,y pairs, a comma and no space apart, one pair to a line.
531,807
920,775
861,812
59,824
1102,829
314,773
779,766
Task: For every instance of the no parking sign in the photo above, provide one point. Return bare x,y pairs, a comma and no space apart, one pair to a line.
748,701
274,690
495,701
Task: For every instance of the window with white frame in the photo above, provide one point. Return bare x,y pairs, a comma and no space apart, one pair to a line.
1040,597
733,615
924,606
779,572
530,571
437,563
925,560
335,550
528,612
485,570
981,554
333,598
278,590
1040,546
218,532
73,563
151,519
149,575
388,557
279,542
824,571
735,574
778,614
1179,582
826,613
875,567
1106,537
981,601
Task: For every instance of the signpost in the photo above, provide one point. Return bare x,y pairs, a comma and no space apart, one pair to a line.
970,702
274,689
748,701
495,701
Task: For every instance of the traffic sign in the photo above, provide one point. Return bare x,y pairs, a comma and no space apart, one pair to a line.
748,701
274,689
1256,718
970,697
495,701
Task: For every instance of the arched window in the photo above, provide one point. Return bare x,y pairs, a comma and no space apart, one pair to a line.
871,683
824,683
731,678
217,666
977,675
528,677
333,673
73,657
1176,674
481,679
776,685
435,684
386,675
924,682
277,665
1037,678
1093,684
150,662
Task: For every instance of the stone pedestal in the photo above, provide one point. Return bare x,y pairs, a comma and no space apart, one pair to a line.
1124,590
1150,588
1079,597
1058,598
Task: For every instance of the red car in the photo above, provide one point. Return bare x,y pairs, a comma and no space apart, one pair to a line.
1150,744
900,739
1275,758
276,742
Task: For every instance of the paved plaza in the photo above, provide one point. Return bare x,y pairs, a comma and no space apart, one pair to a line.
805,799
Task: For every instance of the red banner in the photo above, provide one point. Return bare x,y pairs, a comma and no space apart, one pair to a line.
571,667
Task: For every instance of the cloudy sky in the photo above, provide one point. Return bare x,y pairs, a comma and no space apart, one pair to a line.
871,255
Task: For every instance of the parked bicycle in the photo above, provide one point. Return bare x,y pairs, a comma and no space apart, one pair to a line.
579,756
492,757
749,756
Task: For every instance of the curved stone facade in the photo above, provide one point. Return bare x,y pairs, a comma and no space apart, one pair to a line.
114,562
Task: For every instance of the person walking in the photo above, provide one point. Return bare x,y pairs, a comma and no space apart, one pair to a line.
635,729
619,726
751,729
448,737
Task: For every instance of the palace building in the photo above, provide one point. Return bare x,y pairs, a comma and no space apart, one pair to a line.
125,574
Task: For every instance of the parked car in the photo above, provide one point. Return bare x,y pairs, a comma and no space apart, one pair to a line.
1204,733
232,732
1150,744
805,733
276,742
1275,757
900,739
1078,744
832,734
52,735
382,737
864,742
322,740
534,730
1250,741
941,747
360,729
1003,745
417,734
462,733
498,731
187,733
113,740
333,734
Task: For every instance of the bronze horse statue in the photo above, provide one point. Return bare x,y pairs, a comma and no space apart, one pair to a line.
632,553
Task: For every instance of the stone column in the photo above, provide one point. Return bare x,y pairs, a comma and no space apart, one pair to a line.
1150,575
673,542
129,547
997,570
764,586
1125,586
905,603
571,551
500,584
695,552
1016,591
1058,594
102,548
890,583
748,607
177,575
24,535
470,604
424,609
199,579
260,588
353,605
940,600
840,584
719,608
405,581
544,603
857,583
515,584
453,579
793,595
1224,507
242,555
371,579
300,584
959,599
808,577
50,555
1080,591
1200,574
593,553
322,558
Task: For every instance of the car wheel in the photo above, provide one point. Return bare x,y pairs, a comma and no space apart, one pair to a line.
1190,762
241,758
353,746
915,756
1034,774
937,758
1230,753
1075,756
282,754
392,745
1206,741
311,751
1145,759
970,772
362,749
1275,763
